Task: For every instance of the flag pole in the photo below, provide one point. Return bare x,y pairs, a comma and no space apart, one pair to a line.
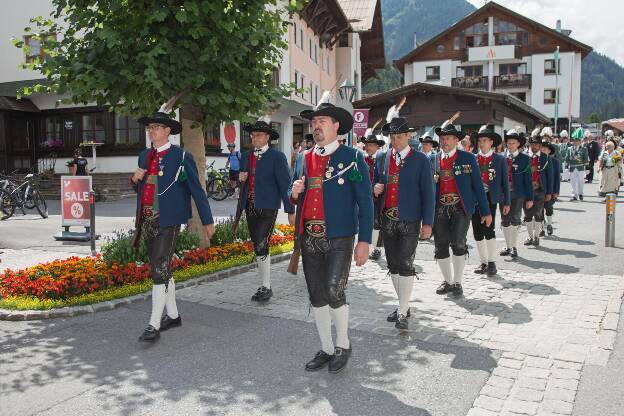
556,87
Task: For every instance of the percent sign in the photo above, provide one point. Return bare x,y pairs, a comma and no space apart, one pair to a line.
77,210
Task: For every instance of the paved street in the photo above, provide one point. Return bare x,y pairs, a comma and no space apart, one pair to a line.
539,339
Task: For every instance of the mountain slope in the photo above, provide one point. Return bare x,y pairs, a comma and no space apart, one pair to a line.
602,82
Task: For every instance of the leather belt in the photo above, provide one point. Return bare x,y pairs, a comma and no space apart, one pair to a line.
392,213
537,186
449,199
315,228
315,182
393,179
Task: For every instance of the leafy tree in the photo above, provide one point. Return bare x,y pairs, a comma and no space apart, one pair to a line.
212,58
593,118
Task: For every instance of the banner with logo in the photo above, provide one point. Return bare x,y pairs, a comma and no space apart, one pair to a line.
75,204
360,121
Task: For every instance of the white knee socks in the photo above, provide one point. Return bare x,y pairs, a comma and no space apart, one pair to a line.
159,298
537,228
323,326
172,307
340,316
530,225
507,234
513,236
491,249
264,268
458,268
406,284
483,251
445,268
549,220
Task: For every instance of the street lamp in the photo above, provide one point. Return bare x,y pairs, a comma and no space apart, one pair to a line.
347,91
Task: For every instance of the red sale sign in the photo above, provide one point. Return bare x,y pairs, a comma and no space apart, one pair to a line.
75,206
360,121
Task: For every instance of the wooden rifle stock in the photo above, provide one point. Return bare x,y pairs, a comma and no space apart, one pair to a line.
239,209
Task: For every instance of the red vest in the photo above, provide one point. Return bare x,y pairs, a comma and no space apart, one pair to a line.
370,161
448,185
149,189
392,186
510,171
535,175
484,166
252,176
313,204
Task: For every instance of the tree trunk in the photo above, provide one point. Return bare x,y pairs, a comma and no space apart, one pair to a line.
194,144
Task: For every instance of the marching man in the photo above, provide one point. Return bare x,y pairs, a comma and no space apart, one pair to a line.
372,146
165,181
267,178
519,174
459,191
493,170
576,159
542,182
334,201
429,147
407,200
549,149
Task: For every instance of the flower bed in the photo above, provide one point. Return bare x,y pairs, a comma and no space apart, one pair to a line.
79,281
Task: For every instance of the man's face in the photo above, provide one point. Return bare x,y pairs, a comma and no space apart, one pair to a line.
309,144
371,148
427,147
485,144
259,139
400,141
158,132
448,142
535,147
324,129
513,145
545,150
231,149
610,147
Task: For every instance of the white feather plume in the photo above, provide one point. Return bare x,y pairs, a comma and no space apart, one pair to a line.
512,132
587,133
483,128
564,133
265,118
163,108
325,98
535,132
369,132
609,133
547,131
392,114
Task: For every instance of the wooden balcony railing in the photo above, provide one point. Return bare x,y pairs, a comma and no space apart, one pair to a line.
470,82
512,81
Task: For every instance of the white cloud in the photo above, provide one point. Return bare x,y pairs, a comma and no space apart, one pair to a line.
597,23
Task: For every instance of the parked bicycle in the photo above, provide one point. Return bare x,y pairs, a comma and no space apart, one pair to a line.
221,187
24,194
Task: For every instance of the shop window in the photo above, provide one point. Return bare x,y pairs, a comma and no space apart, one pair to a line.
433,73
128,132
93,128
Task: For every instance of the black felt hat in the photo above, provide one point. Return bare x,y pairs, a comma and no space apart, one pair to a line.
485,132
344,117
428,138
550,146
162,118
513,134
264,127
397,125
449,130
372,139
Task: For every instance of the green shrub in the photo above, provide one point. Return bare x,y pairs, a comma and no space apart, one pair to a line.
223,232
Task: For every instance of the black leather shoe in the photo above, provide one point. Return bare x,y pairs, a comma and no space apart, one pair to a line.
491,269
375,255
150,334
401,322
319,361
549,229
481,269
536,241
542,233
514,253
263,294
581,197
444,288
505,252
166,322
573,199
457,290
393,316
528,242
339,360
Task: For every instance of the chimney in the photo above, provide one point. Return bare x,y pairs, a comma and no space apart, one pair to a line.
558,25
415,40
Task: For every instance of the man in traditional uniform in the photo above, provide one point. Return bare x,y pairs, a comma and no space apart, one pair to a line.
576,159
519,175
493,170
549,149
265,171
459,191
563,150
542,182
429,147
593,151
334,201
165,181
372,145
406,196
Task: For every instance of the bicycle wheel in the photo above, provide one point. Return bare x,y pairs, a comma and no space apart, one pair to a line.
218,189
40,204
29,199
7,205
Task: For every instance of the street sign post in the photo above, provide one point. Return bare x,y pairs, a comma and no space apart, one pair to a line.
610,221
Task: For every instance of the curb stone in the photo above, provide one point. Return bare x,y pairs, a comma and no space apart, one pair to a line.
69,311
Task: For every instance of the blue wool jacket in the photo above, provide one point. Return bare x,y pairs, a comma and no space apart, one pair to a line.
499,186
468,177
175,204
556,169
348,207
521,177
272,181
416,191
545,167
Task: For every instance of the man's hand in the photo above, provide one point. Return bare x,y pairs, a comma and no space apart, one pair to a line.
378,189
298,187
138,175
425,232
291,219
242,176
487,220
210,230
528,204
556,196
506,209
548,197
360,253
436,178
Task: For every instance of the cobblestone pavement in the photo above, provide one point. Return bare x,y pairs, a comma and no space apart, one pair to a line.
546,325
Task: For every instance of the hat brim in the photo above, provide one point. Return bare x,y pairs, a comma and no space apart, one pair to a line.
520,139
174,125
373,141
460,135
385,129
496,138
550,146
274,135
429,140
344,118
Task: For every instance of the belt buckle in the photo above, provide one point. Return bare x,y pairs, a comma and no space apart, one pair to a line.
392,213
449,199
148,212
315,228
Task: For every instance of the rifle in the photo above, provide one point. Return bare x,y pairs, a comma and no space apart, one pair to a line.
239,207
293,265
138,219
